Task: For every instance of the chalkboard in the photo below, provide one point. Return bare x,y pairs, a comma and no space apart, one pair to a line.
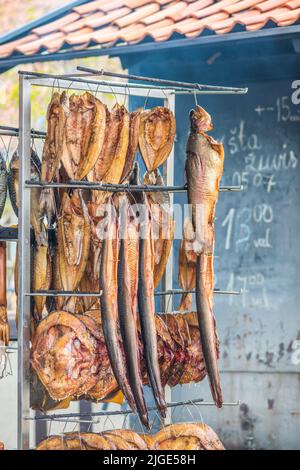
257,230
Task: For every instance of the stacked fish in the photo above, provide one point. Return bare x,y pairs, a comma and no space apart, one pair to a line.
70,355
117,245
104,242
184,436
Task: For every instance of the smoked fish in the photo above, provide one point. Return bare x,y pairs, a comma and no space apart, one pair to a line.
127,301
204,167
156,136
4,324
109,301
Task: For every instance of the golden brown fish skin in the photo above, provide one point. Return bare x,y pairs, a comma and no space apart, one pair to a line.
4,324
65,355
90,281
187,436
94,140
163,224
73,240
127,301
109,303
16,287
156,136
42,276
106,155
187,266
204,167
147,308
134,124
114,173
178,344
53,142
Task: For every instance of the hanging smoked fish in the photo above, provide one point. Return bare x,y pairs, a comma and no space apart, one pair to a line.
156,136
162,222
83,134
187,265
204,167
134,125
53,142
146,302
110,163
41,274
109,301
73,236
3,183
127,301
4,324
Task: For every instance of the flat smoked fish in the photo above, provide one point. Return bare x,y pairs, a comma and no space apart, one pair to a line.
156,136
73,240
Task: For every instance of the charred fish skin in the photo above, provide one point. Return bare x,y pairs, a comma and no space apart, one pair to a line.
109,305
3,183
127,307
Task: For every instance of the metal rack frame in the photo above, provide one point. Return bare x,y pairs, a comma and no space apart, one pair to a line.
79,81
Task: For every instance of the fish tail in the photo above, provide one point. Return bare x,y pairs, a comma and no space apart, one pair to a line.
207,330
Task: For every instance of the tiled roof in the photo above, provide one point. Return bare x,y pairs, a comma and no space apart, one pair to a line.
108,22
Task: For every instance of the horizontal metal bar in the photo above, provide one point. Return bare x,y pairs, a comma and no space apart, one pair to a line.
8,348
16,130
119,87
55,293
159,81
192,291
65,416
120,187
67,82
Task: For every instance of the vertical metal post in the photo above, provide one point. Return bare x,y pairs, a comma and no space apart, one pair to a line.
167,280
24,265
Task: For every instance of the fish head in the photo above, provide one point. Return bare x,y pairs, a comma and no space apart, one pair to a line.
200,120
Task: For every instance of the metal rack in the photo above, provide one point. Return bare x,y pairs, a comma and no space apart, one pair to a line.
87,81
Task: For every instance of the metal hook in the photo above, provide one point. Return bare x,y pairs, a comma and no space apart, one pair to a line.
146,100
195,98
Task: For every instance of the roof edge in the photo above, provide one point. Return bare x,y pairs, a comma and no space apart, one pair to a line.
51,16
284,31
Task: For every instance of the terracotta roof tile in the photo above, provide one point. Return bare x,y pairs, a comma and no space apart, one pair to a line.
138,14
34,46
90,6
242,5
54,25
270,4
216,7
168,12
105,22
293,4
